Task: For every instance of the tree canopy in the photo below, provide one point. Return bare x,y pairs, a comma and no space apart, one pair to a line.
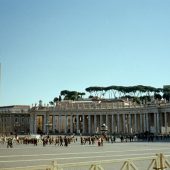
136,93
71,95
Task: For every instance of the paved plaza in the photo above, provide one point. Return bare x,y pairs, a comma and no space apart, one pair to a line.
28,155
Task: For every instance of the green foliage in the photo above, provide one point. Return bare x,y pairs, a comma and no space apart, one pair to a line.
59,98
51,103
137,93
71,95
55,99
90,97
136,100
157,96
64,92
166,92
166,89
166,96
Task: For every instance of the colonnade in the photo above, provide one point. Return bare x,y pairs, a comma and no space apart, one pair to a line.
131,122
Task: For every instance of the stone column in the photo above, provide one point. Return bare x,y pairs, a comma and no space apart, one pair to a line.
130,123
71,123
54,122
77,117
59,122
107,120
147,121
101,119
144,121
158,123
10,121
89,124
47,123
112,123
165,119
141,122
66,123
32,123
83,123
124,123
35,124
155,125
135,121
95,122
118,123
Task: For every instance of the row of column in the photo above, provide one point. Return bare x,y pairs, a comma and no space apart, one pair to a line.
91,123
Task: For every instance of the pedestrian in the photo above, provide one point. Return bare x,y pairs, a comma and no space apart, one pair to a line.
65,141
61,141
9,143
99,141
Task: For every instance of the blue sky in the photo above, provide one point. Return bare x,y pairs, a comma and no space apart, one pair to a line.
54,45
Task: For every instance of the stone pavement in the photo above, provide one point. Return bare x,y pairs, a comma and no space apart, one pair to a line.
27,155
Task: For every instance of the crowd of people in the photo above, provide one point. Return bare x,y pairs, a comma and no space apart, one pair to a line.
44,140
56,140
63,140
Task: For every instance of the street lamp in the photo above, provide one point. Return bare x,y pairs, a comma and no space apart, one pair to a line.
104,128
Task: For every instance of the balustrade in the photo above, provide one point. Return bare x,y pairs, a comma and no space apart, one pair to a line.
158,162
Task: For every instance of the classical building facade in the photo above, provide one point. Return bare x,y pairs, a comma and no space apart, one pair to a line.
87,117
14,119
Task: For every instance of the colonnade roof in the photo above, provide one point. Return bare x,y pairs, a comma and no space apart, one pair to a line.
15,109
102,107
